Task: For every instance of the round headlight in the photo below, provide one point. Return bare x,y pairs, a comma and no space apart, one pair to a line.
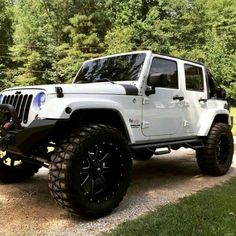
40,100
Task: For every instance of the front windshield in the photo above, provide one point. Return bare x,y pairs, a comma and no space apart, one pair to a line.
117,68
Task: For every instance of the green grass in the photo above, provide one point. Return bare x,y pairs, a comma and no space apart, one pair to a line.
233,113
211,212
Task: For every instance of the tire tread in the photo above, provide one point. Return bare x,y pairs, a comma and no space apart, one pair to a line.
206,158
59,174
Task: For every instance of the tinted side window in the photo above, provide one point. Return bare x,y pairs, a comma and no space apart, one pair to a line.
168,71
194,77
212,88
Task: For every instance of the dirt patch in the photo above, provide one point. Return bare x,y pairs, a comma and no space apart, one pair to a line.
28,209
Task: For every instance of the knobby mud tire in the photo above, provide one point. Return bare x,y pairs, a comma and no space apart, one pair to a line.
216,158
90,171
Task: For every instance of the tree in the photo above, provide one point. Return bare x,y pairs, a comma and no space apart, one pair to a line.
38,32
222,53
6,31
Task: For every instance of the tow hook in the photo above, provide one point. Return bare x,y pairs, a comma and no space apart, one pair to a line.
8,125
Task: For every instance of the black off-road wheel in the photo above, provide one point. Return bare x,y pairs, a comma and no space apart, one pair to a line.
90,171
13,169
143,155
216,158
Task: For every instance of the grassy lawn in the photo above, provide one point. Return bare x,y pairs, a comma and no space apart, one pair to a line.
233,113
210,212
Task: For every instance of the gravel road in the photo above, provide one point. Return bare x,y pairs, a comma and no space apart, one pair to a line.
28,209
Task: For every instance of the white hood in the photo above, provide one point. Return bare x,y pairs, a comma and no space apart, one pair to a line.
89,88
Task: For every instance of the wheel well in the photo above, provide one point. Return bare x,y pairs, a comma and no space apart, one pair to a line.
221,119
113,118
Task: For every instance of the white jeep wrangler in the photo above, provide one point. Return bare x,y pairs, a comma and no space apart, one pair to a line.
119,107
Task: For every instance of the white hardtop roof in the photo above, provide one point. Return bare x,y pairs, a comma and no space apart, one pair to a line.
146,52
121,54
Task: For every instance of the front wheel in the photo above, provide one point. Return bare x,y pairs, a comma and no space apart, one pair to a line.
90,171
216,157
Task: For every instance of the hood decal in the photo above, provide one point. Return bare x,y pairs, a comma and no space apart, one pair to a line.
130,89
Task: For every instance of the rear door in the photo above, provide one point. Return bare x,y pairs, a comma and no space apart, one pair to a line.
195,94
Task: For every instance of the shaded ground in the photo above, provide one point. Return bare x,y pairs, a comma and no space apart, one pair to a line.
28,209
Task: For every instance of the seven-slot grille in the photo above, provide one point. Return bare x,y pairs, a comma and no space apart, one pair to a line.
21,103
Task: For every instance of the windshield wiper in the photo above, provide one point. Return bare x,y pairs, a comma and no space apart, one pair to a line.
94,81
103,80
81,82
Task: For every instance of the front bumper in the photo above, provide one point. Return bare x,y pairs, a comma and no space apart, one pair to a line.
19,140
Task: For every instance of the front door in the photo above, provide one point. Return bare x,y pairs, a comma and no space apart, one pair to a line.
162,111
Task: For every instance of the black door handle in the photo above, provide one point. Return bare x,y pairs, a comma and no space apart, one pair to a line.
202,100
178,98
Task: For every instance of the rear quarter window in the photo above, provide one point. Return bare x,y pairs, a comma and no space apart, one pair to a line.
193,77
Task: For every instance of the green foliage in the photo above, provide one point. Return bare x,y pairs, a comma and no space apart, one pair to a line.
38,32
233,113
5,29
4,77
120,40
6,32
52,38
221,45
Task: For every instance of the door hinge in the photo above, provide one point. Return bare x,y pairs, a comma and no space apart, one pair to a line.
145,124
146,100
186,123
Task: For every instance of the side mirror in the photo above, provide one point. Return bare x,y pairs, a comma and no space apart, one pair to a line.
155,79
220,93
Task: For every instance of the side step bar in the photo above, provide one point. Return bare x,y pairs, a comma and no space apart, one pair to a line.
161,152
191,143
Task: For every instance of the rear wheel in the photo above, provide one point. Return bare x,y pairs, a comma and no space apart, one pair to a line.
14,169
90,171
216,157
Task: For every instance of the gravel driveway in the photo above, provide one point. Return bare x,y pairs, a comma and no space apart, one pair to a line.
28,209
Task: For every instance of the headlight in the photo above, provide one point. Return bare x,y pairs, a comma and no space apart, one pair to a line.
1,97
40,100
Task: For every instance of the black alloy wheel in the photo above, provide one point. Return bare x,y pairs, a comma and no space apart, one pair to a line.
223,149
101,171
